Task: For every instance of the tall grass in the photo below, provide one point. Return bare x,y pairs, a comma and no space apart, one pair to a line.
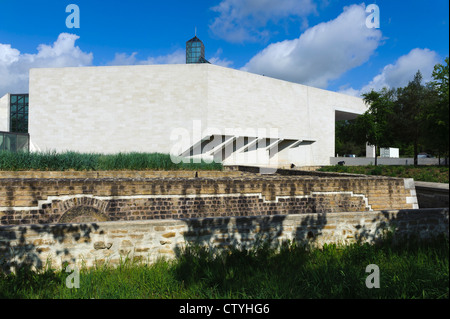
53,161
408,270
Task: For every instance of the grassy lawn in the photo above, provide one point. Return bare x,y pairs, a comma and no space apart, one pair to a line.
436,174
52,161
408,270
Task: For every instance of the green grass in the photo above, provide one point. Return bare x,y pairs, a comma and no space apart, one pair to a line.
436,174
408,270
53,161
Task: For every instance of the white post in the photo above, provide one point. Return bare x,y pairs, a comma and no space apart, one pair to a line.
370,151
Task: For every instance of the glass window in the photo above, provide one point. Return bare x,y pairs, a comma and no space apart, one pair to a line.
19,113
14,142
10,142
22,142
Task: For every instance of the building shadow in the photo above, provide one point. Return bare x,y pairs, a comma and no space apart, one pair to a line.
26,246
314,229
250,232
404,226
310,229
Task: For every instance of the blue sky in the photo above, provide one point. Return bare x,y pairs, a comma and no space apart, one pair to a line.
322,43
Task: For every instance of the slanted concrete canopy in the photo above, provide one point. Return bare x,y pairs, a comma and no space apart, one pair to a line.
220,147
345,116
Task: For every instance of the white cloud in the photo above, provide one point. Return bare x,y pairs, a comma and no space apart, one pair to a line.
8,55
221,62
15,66
322,53
176,57
401,72
350,91
217,60
245,20
124,59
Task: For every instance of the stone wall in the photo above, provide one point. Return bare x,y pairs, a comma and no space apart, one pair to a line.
111,242
121,174
140,197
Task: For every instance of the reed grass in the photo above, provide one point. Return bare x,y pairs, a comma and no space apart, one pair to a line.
53,161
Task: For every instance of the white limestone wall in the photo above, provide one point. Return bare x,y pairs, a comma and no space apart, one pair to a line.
244,100
138,108
4,113
247,102
114,109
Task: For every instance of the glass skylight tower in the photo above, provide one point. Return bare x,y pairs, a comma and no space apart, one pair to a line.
195,51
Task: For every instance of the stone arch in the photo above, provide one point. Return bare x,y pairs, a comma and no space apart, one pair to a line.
83,210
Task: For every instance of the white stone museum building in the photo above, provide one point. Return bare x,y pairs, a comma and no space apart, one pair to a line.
196,109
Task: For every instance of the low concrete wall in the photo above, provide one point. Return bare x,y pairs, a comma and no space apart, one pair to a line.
362,161
120,174
311,171
89,244
432,195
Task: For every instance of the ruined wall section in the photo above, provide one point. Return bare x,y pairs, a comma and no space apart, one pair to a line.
64,200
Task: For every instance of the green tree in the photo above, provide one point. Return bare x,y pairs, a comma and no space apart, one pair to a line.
345,141
373,127
437,113
410,111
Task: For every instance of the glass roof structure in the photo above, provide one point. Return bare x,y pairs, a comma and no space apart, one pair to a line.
195,51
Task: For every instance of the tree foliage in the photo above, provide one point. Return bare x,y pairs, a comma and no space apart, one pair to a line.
344,141
410,109
373,127
437,113
414,118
